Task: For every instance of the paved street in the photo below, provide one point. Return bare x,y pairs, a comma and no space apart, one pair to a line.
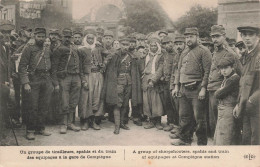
137,136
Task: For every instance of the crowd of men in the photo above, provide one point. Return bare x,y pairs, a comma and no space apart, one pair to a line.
203,86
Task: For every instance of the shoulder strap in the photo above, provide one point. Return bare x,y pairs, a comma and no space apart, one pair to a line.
124,59
66,67
39,60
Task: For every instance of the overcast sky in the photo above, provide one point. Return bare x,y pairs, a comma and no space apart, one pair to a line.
174,8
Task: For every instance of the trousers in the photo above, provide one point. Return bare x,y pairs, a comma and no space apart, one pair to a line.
192,109
39,98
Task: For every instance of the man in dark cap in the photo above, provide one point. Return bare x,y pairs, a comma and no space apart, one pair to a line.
5,90
162,34
179,46
208,43
218,36
54,35
77,36
231,43
118,79
53,115
107,52
191,82
34,70
9,44
136,98
170,62
242,50
100,34
249,93
179,43
140,39
66,69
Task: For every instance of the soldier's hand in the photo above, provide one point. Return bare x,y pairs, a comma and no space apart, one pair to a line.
12,95
16,56
56,88
85,86
175,92
27,88
150,84
202,94
236,112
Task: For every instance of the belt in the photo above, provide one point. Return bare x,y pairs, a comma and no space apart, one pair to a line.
42,71
70,73
124,74
95,70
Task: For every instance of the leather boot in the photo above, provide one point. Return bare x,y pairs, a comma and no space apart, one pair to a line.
85,125
117,120
123,118
30,135
95,126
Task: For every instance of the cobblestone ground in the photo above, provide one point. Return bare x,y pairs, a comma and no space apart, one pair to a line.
136,136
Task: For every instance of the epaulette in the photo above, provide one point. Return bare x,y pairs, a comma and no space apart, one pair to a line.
203,47
257,62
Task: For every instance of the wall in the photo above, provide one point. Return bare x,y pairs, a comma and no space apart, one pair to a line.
233,13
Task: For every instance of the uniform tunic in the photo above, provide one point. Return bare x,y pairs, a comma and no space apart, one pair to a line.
193,67
67,77
39,78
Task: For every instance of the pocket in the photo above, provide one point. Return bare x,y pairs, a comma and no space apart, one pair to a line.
61,74
121,80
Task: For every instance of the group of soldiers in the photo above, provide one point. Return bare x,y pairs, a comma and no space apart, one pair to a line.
207,87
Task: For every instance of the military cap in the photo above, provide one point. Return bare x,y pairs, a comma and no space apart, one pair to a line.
154,39
67,32
124,39
100,30
6,25
179,38
231,41
163,31
109,33
39,30
192,30
54,31
132,38
249,27
217,30
89,31
140,37
206,41
226,61
167,39
77,30
24,27
140,46
239,43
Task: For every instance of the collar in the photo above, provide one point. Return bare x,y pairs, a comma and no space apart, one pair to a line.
256,44
232,73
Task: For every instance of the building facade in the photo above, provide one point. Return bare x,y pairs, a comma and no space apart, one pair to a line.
35,13
233,13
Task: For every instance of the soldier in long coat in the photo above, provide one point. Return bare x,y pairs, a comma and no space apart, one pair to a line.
119,79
